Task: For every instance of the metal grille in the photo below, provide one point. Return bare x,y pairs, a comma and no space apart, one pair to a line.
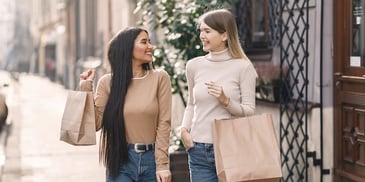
243,14
243,11
294,28
274,14
288,28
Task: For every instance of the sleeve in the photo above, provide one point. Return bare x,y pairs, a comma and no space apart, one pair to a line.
86,85
189,110
246,107
164,123
100,97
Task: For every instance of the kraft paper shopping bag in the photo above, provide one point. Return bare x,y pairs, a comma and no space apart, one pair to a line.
246,149
78,120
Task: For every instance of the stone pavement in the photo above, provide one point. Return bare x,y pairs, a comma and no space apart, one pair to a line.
33,151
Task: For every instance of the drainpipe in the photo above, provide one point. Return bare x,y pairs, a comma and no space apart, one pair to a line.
323,171
321,89
77,42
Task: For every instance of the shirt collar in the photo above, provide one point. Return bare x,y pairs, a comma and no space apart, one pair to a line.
219,56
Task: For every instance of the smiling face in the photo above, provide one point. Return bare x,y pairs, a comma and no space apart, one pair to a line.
142,51
212,40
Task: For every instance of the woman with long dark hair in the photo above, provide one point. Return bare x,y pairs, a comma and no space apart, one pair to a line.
133,111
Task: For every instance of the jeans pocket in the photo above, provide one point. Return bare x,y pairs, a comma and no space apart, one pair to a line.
189,149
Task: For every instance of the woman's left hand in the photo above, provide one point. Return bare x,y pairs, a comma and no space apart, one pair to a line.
217,91
88,75
163,176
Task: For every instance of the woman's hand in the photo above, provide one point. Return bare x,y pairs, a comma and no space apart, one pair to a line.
217,91
163,176
88,75
186,138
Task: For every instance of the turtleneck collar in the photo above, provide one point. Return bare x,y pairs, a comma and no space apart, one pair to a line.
219,56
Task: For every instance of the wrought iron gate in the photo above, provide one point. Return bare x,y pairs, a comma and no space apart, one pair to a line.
294,27
288,27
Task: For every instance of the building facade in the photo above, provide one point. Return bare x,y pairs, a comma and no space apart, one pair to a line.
313,48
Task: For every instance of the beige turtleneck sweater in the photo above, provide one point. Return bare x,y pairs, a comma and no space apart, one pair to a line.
238,79
147,110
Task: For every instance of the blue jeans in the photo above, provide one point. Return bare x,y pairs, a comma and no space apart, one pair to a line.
201,163
141,167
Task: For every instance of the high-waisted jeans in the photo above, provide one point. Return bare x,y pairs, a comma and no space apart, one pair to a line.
141,167
201,163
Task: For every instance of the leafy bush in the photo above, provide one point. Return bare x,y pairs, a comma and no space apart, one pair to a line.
176,21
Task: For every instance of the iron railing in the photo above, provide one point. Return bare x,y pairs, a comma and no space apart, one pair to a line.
288,22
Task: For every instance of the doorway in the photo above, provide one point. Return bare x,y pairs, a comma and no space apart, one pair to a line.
349,91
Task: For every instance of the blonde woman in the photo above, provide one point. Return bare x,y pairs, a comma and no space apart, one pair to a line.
221,84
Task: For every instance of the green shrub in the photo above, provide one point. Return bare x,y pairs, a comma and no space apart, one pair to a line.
176,21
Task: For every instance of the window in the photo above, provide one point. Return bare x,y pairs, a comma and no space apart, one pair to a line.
257,23
357,46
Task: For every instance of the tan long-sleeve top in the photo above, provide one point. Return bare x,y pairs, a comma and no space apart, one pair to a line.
238,79
147,110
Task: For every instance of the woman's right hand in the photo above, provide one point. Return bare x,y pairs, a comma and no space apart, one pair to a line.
186,138
88,75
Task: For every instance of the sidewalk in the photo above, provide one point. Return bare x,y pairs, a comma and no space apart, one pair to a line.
34,151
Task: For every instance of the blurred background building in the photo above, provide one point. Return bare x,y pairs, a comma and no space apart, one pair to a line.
17,36
55,37
68,33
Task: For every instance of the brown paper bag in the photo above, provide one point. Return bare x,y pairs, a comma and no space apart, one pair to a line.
78,120
246,149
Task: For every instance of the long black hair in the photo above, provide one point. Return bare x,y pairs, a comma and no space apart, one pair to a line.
113,147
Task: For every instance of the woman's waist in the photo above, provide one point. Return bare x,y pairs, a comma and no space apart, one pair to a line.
209,117
202,135
141,137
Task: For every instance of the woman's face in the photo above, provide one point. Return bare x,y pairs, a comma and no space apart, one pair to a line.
142,51
212,40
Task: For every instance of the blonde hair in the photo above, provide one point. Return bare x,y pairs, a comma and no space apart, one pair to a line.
222,21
